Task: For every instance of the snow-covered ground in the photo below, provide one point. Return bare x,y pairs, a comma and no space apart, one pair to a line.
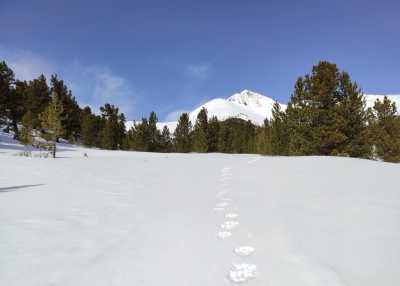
129,218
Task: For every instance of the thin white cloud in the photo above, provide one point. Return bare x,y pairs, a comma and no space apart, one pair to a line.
200,71
26,65
174,115
92,85
110,88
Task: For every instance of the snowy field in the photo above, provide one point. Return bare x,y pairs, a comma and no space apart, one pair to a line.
129,218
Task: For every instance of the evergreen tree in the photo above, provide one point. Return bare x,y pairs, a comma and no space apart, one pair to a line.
279,136
200,132
182,140
263,139
71,114
213,134
90,128
385,130
114,127
236,136
353,118
51,121
36,98
165,140
6,88
26,132
15,105
153,133
317,114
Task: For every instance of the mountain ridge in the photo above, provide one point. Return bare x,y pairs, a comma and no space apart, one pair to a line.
250,105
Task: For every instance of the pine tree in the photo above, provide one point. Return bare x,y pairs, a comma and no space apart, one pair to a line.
353,118
89,130
213,134
113,132
51,121
6,88
200,132
385,130
279,135
318,114
263,139
153,133
27,129
182,140
15,105
165,140
36,98
71,114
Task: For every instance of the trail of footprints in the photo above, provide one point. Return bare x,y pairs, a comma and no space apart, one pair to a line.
241,272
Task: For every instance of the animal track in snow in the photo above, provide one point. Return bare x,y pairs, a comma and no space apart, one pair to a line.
253,160
230,224
244,250
242,272
220,194
231,215
222,205
224,234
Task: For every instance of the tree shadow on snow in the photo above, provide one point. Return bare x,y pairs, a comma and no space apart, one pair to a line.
17,188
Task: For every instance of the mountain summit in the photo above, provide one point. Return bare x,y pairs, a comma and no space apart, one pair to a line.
249,105
246,105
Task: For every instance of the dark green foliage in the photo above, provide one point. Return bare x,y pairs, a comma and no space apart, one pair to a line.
353,118
36,98
213,134
153,144
236,136
200,132
6,90
385,130
25,135
182,140
91,128
145,136
15,105
166,140
114,128
263,139
278,132
71,115
318,115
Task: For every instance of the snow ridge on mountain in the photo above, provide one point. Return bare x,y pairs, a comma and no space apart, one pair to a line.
246,105
249,105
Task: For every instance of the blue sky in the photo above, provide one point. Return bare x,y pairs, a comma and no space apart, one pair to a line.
170,56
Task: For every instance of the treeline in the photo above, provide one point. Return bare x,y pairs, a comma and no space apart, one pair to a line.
326,115
206,135
35,109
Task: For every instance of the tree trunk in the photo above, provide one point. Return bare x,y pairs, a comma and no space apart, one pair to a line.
54,149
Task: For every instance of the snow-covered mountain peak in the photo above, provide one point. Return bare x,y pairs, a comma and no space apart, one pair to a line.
250,98
246,105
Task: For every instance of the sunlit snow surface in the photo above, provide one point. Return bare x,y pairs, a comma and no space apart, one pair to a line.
127,218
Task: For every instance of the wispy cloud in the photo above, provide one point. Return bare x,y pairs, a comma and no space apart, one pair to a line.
108,87
174,115
25,64
199,71
91,85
